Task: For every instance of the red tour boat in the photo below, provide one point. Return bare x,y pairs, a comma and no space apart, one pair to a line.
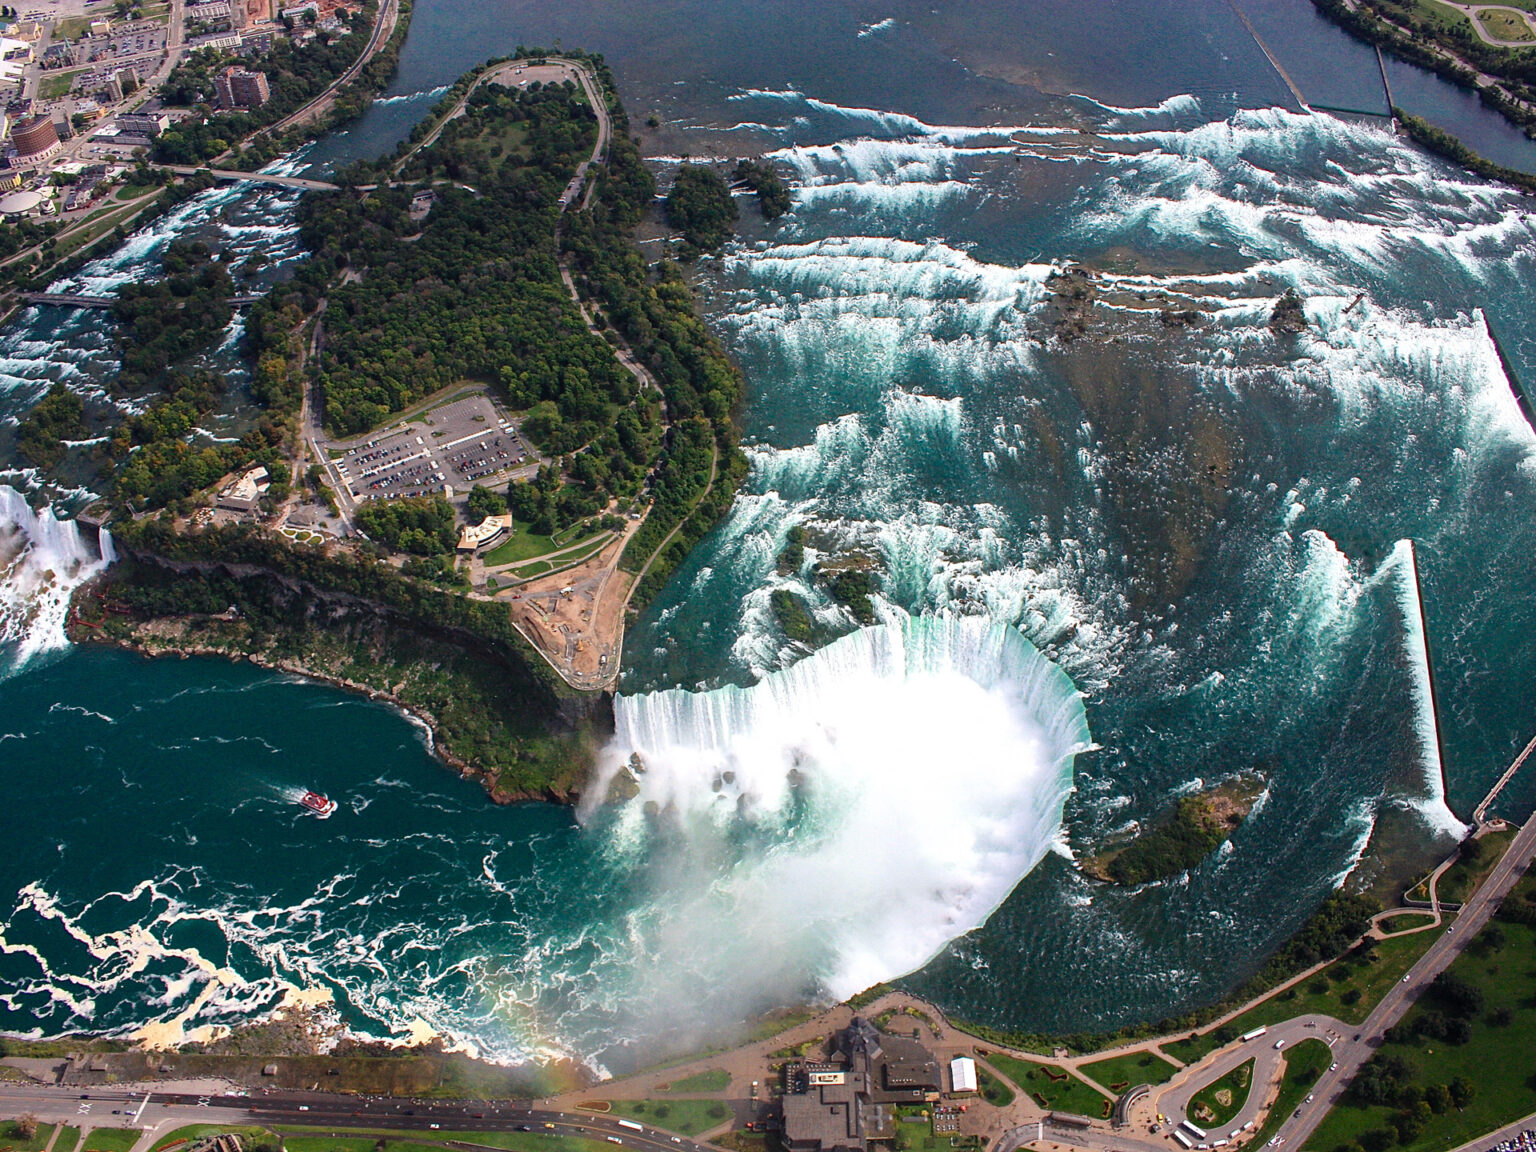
318,804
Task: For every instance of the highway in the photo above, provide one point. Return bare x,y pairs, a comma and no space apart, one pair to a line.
163,1112
1351,1054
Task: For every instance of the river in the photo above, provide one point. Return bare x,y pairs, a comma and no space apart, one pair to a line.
1113,569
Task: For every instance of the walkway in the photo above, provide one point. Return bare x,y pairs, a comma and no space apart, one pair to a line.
253,177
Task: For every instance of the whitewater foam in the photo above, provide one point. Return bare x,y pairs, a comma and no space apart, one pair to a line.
893,786
42,561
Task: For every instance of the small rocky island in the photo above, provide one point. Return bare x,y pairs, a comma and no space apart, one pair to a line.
1197,826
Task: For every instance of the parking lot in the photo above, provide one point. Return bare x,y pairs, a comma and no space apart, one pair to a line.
458,445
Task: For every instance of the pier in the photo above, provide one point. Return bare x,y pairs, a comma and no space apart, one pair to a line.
1522,397
1270,56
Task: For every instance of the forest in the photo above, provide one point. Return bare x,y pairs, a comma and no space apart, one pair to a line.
701,207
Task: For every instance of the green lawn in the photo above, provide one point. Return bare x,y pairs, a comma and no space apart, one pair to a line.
1120,1073
56,84
1462,877
710,1080
993,1090
134,191
110,1139
536,1141
1220,1100
67,1139
1347,989
329,1143
1499,1060
12,1140
685,1117
1505,25
520,544
1051,1087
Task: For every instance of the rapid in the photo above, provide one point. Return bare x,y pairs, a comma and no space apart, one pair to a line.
1112,569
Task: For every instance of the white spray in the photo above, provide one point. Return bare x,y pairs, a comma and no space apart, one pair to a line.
850,815
42,561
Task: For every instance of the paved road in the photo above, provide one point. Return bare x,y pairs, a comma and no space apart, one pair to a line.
1351,1054
165,1111
1487,37
1268,1054
383,28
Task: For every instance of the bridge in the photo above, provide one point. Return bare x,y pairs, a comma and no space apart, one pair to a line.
253,177
73,300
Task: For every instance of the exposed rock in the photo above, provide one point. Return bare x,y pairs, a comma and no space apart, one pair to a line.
1288,315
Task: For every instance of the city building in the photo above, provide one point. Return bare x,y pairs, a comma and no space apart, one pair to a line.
15,55
149,124
841,1104
242,493
60,56
101,28
237,88
20,203
9,181
476,536
35,138
962,1075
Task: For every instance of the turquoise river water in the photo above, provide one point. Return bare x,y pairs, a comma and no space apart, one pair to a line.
1114,569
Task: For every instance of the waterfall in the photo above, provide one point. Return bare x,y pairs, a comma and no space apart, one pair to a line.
849,816
1432,806
42,561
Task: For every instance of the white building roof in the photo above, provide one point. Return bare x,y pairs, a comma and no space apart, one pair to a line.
962,1074
18,202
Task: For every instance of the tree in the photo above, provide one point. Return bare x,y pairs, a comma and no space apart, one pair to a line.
700,205
26,1126
1462,1091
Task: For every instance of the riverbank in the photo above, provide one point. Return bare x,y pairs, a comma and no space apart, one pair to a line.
492,714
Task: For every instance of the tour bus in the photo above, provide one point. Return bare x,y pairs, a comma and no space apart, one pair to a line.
1183,1139
1254,1035
631,1124
1197,1133
613,1139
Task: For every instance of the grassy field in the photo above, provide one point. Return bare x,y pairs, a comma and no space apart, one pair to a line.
1347,989
685,1117
11,1138
1304,1063
1499,1060
520,544
1505,25
1223,1098
343,1140
110,1139
1122,1072
56,84
1462,878
710,1080
66,1140
1051,1087
993,1090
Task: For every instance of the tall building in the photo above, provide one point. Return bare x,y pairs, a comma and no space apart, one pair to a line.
36,138
237,88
